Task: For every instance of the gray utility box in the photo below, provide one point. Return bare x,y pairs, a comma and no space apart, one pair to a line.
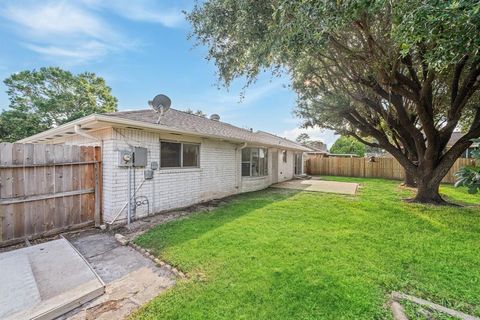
140,157
148,174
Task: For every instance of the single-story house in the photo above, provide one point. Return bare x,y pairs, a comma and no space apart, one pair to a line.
455,137
176,159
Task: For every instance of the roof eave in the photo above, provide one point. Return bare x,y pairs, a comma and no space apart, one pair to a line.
56,130
112,121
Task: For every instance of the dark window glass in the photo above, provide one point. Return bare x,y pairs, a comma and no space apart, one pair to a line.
245,169
246,154
255,163
170,154
190,155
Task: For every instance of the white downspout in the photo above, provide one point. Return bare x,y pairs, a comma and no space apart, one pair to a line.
78,130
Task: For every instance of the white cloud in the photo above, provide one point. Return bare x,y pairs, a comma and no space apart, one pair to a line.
81,52
62,31
141,10
73,32
47,19
324,135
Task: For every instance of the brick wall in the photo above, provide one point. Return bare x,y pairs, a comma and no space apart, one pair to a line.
218,176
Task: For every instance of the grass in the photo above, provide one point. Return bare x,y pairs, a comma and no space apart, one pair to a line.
279,254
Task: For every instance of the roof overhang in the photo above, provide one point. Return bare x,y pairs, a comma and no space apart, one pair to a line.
98,121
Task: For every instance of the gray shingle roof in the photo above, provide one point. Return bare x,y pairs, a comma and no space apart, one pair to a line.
199,125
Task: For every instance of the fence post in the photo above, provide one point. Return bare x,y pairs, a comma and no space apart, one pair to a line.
98,186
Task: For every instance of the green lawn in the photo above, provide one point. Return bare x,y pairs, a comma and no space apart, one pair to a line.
278,254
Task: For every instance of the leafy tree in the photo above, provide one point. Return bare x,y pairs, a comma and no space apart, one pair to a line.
405,73
48,97
197,113
469,176
346,144
316,145
303,138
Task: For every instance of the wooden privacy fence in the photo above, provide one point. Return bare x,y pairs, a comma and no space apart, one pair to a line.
387,168
46,189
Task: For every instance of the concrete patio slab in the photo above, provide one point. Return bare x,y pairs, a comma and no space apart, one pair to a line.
319,186
16,275
46,281
131,279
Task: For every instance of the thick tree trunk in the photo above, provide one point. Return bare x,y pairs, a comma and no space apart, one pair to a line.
409,180
428,191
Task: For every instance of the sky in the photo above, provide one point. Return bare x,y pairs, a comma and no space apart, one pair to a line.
141,48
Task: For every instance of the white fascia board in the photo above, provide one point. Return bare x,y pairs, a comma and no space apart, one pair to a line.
115,121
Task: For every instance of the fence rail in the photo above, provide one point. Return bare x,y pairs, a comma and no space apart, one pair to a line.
387,168
46,189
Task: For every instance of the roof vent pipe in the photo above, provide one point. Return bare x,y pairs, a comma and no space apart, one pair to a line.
215,117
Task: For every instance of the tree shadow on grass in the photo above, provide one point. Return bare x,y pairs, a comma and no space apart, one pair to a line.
177,232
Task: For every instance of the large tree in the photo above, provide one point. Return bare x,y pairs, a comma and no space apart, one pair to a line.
48,97
403,73
348,145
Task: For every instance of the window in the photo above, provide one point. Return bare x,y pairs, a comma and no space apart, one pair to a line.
284,155
254,162
179,155
190,155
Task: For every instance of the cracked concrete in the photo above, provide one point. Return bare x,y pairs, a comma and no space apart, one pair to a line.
131,279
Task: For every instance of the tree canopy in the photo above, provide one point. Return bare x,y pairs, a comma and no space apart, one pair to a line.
404,73
348,145
197,113
303,138
48,97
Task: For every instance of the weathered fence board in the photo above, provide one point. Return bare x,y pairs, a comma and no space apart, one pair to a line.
387,168
45,189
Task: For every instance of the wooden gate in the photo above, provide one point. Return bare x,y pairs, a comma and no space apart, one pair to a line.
46,189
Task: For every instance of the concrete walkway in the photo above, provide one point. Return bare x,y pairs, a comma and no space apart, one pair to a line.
131,279
319,186
44,281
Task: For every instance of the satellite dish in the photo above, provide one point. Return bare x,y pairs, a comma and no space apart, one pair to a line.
160,104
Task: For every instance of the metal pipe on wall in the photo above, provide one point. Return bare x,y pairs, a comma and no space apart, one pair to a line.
129,191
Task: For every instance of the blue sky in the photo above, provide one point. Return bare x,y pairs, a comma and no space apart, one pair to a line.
141,48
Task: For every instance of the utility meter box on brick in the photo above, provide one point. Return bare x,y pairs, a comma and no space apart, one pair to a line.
140,157
125,158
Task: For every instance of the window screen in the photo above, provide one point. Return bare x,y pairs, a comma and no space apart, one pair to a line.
170,154
190,155
254,162
179,155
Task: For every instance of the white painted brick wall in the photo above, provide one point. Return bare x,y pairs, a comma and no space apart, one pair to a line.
218,176
286,169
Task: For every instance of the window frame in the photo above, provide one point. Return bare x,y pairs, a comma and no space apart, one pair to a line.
250,161
181,155
285,156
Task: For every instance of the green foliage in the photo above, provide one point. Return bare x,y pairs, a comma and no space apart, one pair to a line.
303,138
403,73
348,145
278,254
469,176
197,113
449,29
48,97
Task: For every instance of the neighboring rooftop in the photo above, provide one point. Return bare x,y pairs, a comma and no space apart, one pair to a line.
455,137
